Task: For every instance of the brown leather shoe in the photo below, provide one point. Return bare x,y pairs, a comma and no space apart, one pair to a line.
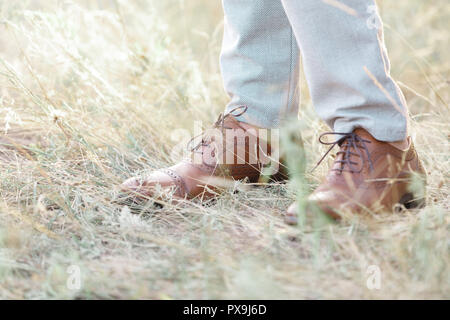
228,151
367,176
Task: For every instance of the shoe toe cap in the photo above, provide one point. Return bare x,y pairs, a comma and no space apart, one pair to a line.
320,201
130,184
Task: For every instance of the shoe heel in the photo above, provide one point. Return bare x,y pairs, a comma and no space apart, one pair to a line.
278,177
281,176
410,202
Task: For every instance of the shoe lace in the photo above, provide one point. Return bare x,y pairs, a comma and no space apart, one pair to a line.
351,145
218,124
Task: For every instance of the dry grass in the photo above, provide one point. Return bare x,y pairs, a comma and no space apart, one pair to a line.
91,93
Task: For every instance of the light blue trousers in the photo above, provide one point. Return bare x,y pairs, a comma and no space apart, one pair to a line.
344,57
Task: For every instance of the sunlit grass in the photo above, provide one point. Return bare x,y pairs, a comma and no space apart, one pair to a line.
91,93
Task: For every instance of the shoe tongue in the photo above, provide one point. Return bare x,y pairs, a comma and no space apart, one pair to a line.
346,145
362,133
231,122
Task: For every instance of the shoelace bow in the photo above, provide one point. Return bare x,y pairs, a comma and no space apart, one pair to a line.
219,123
348,142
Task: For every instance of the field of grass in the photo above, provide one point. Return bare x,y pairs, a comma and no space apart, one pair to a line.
93,92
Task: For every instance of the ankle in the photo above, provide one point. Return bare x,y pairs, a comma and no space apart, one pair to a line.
401,145
248,126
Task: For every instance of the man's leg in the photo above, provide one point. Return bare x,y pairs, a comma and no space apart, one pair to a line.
260,61
345,64
347,70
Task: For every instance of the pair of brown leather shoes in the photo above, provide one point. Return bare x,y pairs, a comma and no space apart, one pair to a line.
367,175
